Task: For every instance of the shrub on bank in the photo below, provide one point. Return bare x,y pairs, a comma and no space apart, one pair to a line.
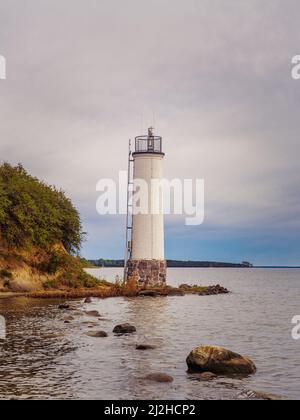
32,212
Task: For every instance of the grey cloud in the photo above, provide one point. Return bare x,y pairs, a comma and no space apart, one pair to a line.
217,74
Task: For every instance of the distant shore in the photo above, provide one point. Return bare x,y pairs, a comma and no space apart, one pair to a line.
289,267
102,263
105,263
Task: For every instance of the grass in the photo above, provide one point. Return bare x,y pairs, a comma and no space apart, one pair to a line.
57,269
193,289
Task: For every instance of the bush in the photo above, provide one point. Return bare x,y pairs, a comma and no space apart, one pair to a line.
68,271
130,288
32,212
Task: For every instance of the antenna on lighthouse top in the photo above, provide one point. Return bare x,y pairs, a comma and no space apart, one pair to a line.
151,132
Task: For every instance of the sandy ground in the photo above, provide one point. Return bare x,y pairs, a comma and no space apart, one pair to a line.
9,295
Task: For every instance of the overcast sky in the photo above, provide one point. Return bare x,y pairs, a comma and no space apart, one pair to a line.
217,73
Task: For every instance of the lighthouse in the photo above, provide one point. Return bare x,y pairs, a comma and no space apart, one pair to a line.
146,262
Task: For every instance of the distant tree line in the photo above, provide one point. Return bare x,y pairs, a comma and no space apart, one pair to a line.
107,263
206,264
175,264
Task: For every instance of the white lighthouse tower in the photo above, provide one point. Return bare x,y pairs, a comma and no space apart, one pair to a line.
146,262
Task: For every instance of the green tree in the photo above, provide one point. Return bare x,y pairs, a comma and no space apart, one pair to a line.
32,212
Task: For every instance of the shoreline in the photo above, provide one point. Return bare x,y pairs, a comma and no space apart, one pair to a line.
115,291
60,294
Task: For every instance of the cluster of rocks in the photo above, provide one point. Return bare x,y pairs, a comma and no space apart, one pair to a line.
203,291
183,290
121,329
169,291
214,290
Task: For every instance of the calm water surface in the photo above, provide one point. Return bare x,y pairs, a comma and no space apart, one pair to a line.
45,358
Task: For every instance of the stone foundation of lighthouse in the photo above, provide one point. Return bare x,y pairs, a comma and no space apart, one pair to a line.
148,273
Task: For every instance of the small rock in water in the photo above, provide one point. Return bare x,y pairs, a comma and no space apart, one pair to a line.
149,293
93,314
97,334
256,395
207,376
68,319
124,329
88,300
219,361
64,306
159,377
90,323
145,347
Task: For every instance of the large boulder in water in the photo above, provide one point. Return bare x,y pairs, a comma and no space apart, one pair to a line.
219,361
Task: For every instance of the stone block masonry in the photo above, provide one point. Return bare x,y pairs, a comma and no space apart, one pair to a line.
148,273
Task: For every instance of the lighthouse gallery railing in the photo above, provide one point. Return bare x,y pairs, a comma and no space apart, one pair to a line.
148,144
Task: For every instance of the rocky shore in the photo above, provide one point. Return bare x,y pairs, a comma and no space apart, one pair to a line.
113,290
204,291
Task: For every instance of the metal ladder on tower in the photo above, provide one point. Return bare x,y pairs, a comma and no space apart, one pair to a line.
128,246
